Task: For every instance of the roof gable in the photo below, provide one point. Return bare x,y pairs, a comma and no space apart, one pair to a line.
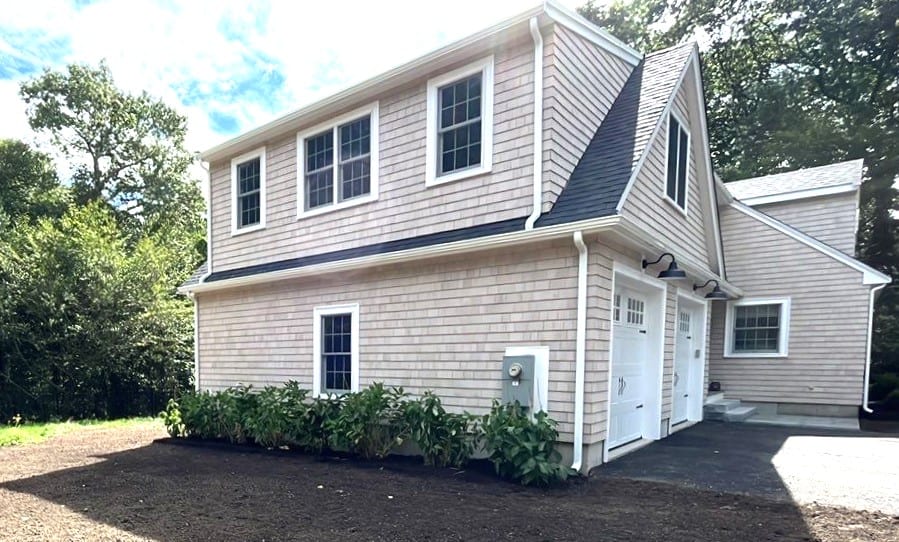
798,184
607,166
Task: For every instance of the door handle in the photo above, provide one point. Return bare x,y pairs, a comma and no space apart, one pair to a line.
639,406
643,331
676,378
686,395
624,381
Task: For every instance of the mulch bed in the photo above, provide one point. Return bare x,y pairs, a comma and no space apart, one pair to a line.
120,485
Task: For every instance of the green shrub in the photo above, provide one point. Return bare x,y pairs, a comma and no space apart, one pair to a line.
370,422
210,415
312,430
445,439
522,448
278,415
883,385
171,418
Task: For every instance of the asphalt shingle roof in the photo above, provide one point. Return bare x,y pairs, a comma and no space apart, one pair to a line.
602,174
797,181
196,276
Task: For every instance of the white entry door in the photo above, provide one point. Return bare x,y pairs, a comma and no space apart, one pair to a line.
630,350
684,353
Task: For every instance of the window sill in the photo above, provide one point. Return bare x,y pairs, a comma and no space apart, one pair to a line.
457,176
674,204
761,355
342,205
251,229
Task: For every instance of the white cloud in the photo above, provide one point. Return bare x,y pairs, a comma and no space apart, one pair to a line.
209,59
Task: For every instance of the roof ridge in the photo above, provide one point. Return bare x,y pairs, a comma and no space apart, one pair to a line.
690,43
798,170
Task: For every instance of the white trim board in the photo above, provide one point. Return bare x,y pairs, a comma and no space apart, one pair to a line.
869,274
408,72
799,194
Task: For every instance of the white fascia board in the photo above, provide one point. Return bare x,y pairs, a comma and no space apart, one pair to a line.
869,274
493,241
573,21
801,194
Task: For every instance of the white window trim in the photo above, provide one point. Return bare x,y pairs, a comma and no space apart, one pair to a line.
686,127
330,310
485,66
374,151
258,153
782,339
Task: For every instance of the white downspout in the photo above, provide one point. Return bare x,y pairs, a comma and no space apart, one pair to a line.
538,125
580,349
874,291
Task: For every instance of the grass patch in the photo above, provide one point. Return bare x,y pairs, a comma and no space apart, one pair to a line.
32,433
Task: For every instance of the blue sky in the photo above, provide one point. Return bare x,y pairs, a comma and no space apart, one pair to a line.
228,66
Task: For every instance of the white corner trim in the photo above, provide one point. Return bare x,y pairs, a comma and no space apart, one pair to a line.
257,153
196,343
580,349
869,274
685,126
573,21
783,339
329,310
332,125
655,131
538,125
485,67
801,194
208,169
540,398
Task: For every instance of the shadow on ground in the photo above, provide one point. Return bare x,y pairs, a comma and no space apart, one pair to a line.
174,492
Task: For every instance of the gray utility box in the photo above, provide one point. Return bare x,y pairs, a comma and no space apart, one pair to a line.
518,380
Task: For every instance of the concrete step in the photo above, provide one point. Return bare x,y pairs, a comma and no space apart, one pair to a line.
723,405
714,397
739,414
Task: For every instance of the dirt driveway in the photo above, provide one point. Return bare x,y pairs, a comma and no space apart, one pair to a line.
119,485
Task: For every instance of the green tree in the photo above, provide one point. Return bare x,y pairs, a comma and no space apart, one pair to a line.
791,84
127,150
28,185
89,326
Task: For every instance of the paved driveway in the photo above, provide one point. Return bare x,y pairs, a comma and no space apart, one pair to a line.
849,469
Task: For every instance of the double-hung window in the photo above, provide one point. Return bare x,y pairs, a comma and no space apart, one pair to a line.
757,328
339,163
460,123
248,192
678,161
335,349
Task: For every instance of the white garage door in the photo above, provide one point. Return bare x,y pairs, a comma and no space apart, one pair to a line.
630,352
683,364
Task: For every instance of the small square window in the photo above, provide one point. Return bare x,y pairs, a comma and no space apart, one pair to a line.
758,328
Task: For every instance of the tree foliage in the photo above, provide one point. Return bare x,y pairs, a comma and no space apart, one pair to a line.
128,150
90,323
792,84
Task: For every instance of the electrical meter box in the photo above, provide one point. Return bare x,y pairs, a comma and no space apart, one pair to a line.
518,380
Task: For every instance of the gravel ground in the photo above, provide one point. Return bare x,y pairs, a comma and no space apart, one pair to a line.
119,485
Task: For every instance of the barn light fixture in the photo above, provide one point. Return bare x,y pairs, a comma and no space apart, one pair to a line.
672,273
716,293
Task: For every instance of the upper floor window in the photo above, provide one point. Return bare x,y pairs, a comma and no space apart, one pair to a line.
248,192
678,160
757,328
338,163
460,123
